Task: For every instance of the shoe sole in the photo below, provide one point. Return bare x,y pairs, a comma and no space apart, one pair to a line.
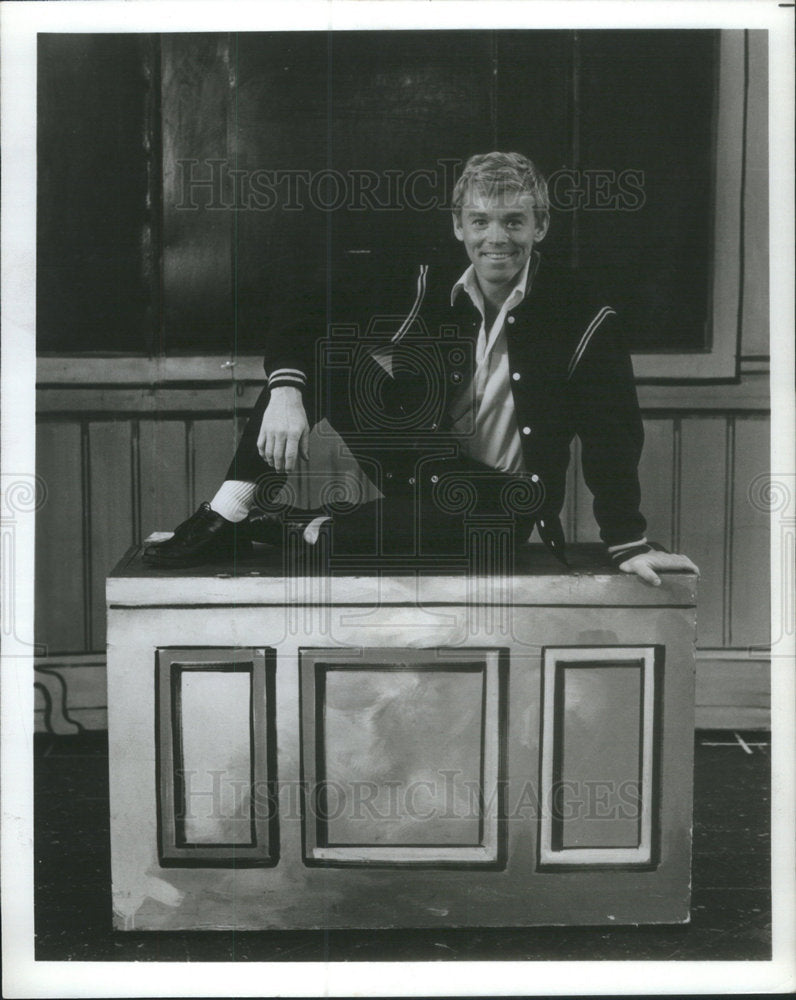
241,547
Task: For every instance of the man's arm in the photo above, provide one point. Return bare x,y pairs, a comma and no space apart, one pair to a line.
608,422
289,364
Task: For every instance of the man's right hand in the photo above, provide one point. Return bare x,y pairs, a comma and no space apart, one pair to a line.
285,430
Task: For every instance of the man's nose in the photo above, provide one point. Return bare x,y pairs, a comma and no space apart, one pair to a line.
495,233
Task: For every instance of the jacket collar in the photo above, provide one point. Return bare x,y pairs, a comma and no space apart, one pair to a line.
468,281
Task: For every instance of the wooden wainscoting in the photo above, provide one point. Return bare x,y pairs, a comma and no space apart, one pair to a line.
120,462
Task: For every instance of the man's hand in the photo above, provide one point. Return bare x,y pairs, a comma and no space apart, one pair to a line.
284,432
644,565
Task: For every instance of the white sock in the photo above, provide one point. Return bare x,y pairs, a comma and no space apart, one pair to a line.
234,499
313,529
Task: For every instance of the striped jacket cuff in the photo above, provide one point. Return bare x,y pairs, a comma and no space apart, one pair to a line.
619,553
617,558
293,377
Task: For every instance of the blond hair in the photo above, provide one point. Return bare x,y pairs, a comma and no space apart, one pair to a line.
493,173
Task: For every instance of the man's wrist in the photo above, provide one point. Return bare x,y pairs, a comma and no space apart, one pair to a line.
621,553
287,392
627,550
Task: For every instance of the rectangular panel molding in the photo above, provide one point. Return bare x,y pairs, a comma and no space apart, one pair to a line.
403,756
598,756
216,757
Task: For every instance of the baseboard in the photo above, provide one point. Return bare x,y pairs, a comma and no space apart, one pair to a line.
70,694
733,689
732,717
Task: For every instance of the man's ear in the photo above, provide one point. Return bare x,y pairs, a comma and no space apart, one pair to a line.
457,227
541,226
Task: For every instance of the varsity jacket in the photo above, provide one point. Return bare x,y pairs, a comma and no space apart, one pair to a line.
387,368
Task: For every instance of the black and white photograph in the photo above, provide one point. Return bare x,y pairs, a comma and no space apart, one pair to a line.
398,498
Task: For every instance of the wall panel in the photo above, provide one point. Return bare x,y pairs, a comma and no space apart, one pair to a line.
702,521
748,600
111,506
656,474
212,445
657,484
60,565
163,474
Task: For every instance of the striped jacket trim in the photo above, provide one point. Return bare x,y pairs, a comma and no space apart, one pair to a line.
287,376
421,294
617,558
591,329
618,549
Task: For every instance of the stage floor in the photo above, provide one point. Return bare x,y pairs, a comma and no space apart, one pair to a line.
730,919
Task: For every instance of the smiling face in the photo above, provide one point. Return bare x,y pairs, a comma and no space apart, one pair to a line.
499,231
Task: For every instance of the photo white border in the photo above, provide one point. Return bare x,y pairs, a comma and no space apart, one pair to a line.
22,975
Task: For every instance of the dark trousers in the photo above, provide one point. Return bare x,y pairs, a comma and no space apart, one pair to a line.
461,510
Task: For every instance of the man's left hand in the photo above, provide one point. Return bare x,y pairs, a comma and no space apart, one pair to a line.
644,565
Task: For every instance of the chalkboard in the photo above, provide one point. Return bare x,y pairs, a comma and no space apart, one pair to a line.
98,201
190,185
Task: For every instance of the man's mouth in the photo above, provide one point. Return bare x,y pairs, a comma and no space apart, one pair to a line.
498,255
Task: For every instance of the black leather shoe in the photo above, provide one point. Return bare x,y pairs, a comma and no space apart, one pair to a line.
204,537
270,529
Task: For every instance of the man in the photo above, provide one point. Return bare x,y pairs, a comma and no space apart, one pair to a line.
460,404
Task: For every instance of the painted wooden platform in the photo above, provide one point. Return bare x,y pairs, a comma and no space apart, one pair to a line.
350,749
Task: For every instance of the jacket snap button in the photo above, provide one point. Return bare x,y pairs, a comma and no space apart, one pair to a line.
541,524
534,479
516,376
435,479
411,480
389,475
526,431
456,377
511,319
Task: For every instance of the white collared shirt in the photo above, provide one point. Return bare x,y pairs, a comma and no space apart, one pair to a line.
490,434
